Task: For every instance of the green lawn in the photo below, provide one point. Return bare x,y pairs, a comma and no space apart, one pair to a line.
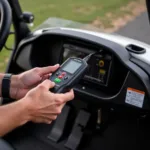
84,11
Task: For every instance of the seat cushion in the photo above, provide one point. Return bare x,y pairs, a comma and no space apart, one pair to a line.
4,145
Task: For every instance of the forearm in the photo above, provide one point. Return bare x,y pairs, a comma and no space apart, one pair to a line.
13,85
12,116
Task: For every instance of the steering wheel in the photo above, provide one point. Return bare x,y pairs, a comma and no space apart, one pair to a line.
5,21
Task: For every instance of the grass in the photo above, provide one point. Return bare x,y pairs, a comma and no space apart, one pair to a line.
84,11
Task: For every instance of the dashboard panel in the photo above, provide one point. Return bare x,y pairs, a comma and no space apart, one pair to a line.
104,67
100,65
110,71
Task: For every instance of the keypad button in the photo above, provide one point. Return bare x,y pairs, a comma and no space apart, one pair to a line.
57,73
57,80
63,73
66,78
60,77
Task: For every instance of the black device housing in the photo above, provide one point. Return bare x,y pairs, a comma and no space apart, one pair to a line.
72,79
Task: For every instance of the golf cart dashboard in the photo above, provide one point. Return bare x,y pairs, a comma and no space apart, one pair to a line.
108,78
100,65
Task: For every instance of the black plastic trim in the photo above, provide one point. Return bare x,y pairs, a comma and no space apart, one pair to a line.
135,49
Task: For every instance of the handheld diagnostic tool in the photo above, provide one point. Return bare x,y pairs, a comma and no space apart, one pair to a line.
69,73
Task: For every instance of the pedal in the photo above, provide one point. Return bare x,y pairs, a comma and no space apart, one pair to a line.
78,130
59,125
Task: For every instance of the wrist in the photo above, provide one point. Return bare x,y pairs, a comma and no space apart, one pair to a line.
14,86
28,110
24,115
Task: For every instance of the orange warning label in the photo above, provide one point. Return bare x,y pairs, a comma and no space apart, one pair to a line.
135,90
135,97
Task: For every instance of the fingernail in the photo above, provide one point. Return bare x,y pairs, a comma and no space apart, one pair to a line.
49,122
53,83
56,65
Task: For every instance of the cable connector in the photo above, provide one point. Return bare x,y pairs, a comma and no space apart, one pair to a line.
89,56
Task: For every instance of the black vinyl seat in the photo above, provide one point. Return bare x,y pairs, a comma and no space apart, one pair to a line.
4,145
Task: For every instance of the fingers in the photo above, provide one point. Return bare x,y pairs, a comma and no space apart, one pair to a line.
46,84
47,70
62,98
47,76
44,119
53,109
48,117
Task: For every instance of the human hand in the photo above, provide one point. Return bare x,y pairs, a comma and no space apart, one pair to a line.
25,81
42,105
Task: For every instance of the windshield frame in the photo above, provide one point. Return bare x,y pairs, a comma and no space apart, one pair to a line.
148,8
20,27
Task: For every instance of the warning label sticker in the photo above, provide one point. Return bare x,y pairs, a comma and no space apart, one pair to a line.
135,97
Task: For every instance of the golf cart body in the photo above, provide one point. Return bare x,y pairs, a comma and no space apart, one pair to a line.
111,109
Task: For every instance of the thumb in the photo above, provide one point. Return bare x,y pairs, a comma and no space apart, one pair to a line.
47,84
47,70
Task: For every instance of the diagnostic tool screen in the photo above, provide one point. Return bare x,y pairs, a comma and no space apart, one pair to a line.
72,67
